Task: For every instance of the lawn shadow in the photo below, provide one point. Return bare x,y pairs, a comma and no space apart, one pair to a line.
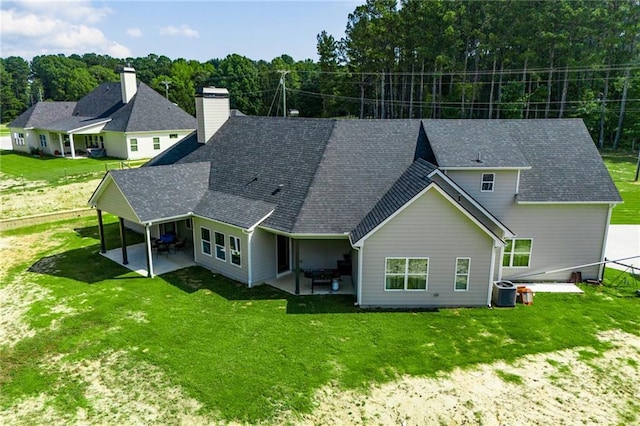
83,264
197,278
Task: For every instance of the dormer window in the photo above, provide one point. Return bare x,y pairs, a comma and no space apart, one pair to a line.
488,180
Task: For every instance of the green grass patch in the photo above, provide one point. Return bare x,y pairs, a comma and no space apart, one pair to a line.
622,168
56,170
4,130
509,377
248,354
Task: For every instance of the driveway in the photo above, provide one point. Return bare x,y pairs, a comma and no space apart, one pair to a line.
623,241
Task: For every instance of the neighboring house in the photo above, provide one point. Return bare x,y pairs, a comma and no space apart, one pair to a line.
419,212
127,120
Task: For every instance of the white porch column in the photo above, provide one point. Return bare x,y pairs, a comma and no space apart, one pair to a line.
147,240
73,148
61,143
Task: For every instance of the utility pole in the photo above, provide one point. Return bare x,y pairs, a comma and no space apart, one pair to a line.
166,88
283,73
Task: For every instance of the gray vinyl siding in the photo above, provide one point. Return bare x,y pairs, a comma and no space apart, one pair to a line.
226,268
113,201
497,202
263,253
563,236
430,227
323,254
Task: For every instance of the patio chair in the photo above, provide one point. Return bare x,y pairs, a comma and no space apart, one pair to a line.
180,245
162,248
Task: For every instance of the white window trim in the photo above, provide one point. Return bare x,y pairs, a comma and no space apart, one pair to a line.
223,247
237,243
455,274
202,240
131,144
482,182
406,274
154,144
43,140
512,253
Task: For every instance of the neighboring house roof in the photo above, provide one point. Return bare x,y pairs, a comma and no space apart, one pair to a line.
43,113
164,191
411,183
70,124
146,111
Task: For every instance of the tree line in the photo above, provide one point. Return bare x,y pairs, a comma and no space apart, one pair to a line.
405,59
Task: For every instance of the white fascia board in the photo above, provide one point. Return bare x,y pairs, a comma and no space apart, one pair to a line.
99,189
153,132
169,219
306,235
569,202
494,237
88,126
485,168
253,227
507,231
217,221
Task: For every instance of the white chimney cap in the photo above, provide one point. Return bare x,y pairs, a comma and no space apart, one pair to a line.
212,92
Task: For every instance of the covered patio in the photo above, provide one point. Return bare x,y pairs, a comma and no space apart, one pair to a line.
287,283
162,263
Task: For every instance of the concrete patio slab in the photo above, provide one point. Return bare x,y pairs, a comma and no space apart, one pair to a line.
162,263
623,242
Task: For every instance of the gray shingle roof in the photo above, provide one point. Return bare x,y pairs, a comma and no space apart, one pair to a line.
252,156
73,123
457,143
409,184
566,165
232,209
148,110
362,160
163,191
43,113
186,146
322,176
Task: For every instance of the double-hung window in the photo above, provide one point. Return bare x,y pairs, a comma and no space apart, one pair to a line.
133,143
205,238
463,266
156,143
517,253
234,247
488,180
221,253
406,273
43,141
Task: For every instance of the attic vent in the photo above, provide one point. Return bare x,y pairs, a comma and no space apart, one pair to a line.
479,158
278,189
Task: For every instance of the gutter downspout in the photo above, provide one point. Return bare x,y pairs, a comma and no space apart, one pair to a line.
604,242
249,235
359,286
491,274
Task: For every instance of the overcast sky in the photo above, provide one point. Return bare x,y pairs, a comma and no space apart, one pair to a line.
201,30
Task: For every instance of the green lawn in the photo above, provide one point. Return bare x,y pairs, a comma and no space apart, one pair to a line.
622,168
4,130
250,354
55,170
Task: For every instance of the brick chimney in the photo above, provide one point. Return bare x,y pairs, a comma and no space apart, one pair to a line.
128,84
212,110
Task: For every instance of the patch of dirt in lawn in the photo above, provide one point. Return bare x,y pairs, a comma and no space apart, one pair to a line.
117,389
46,199
17,296
565,387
